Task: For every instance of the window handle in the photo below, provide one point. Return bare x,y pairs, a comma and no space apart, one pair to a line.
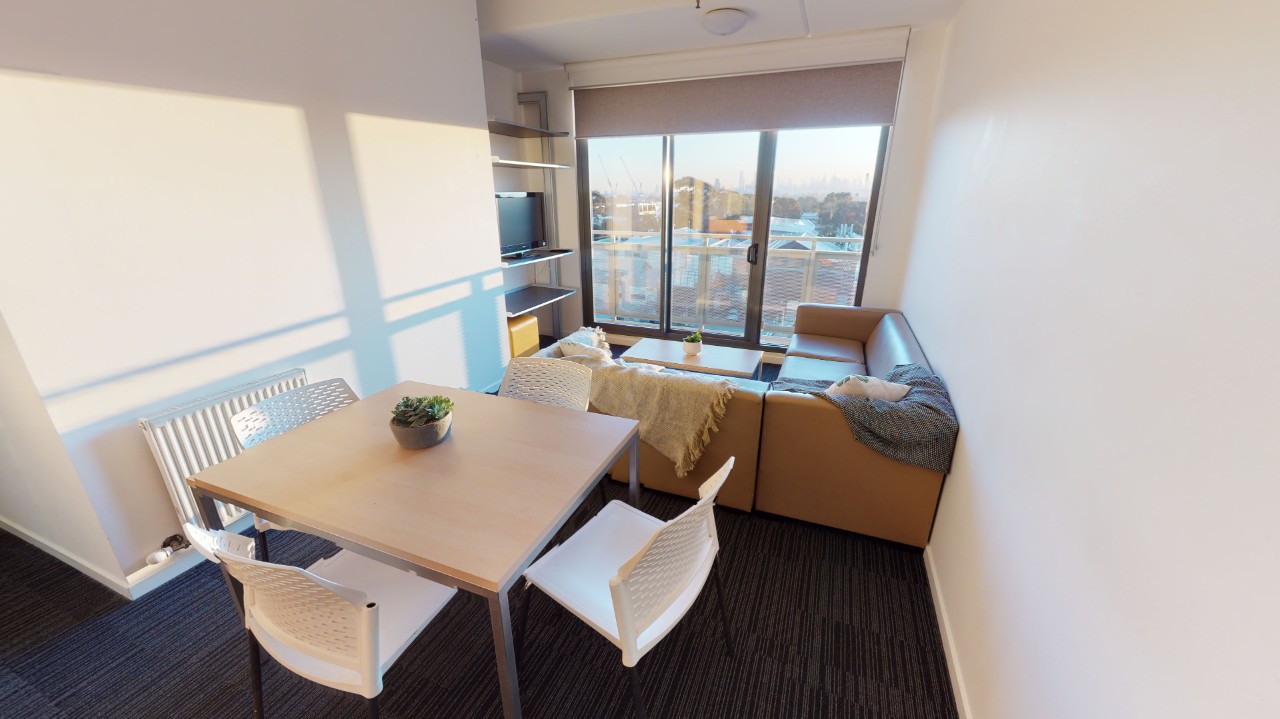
753,253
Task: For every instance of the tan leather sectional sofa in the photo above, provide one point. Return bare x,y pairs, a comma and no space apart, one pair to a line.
795,454
810,465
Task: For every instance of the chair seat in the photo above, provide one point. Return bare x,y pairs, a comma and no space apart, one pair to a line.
406,604
576,574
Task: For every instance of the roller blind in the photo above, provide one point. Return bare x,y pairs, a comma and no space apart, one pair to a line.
822,97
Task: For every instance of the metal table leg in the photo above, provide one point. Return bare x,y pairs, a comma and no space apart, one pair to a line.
504,647
633,458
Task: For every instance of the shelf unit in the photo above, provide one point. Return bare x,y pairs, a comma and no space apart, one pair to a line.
535,295
524,132
535,256
531,297
523,165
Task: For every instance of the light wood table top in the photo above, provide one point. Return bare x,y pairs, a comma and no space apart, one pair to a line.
475,507
716,360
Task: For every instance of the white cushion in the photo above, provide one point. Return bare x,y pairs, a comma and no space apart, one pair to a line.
569,348
860,385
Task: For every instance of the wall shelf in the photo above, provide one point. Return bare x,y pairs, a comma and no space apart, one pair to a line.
511,129
521,164
531,297
535,256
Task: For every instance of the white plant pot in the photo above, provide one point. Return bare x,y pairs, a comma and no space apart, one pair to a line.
692,348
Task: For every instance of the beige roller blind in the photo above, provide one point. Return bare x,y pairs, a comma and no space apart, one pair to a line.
822,97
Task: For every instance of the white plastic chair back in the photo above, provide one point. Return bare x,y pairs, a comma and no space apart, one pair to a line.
548,381
668,572
281,413
209,542
321,630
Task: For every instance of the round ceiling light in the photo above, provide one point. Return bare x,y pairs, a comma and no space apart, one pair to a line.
724,21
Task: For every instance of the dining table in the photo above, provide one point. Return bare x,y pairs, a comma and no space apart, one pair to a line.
473,511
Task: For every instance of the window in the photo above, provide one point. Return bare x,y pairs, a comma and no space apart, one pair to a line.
674,242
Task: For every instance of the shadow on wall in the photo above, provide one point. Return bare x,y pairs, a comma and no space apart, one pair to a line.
114,447
366,248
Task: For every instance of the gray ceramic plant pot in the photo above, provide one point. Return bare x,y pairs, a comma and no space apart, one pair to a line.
428,435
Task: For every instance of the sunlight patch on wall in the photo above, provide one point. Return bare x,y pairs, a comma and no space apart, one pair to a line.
428,222
434,352
96,402
144,227
426,301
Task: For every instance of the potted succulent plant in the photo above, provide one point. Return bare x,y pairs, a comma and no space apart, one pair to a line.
421,422
693,343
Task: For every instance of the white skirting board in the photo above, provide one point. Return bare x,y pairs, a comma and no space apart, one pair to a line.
948,643
153,576
135,585
102,576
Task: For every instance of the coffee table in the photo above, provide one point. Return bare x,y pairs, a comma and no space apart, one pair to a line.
715,360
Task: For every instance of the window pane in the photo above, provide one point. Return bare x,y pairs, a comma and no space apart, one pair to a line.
821,186
713,198
626,222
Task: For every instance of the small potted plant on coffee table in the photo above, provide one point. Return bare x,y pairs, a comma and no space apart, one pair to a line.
693,343
421,422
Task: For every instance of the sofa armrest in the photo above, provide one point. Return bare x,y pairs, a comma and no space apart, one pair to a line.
812,468
851,323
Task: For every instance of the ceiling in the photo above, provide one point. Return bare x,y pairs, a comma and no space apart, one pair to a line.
535,34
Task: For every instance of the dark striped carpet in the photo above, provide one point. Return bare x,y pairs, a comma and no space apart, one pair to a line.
827,624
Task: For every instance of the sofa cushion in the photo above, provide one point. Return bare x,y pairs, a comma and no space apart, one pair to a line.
828,348
593,336
826,370
892,343
858,385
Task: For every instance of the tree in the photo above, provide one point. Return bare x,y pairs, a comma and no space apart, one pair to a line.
788,207
691,201
839,208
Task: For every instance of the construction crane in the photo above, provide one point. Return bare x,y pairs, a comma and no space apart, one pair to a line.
635,189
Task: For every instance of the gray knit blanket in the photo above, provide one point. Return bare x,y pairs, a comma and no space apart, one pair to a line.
918,429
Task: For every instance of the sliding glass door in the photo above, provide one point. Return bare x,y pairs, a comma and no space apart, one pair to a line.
823,182
628,221
713,191
679,238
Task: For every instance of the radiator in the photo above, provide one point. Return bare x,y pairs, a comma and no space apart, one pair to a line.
198,435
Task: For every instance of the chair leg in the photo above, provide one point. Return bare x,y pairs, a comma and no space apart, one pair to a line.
724,616
372,702
636,693
255,674
526,598
604,496
260,538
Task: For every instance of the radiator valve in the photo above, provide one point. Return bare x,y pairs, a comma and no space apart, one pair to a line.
170,545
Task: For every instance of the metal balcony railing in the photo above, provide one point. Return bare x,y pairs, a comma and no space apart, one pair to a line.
709,275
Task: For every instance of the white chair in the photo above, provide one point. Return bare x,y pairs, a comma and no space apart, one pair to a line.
550,381
632,577
544,380
342,622
278,414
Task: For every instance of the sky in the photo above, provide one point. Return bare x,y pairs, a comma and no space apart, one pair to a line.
808,161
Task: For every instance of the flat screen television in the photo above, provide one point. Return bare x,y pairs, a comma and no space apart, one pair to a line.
520,222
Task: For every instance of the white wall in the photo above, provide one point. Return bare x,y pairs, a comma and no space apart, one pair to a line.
903,173
193,197
41,498
1094,275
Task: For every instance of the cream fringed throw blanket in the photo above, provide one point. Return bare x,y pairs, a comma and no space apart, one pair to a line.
677,412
